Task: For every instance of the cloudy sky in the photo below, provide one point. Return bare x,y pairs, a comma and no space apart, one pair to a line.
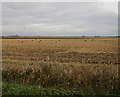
59,19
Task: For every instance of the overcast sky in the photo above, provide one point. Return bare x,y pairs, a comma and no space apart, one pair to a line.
60,19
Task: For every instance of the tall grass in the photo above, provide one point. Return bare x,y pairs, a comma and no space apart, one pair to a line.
68,76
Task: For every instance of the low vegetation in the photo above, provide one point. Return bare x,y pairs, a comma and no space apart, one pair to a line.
78,66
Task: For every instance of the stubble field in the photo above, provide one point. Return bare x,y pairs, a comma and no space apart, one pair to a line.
88,65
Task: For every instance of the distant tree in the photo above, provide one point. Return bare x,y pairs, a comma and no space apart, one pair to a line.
96,36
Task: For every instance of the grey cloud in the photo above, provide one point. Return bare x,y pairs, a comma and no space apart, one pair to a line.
58,19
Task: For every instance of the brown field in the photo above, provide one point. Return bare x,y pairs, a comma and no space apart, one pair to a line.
97,51
65,63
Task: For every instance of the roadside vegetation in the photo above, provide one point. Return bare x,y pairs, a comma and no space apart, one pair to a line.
60,66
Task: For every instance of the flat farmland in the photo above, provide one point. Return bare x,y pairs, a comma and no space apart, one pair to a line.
62,50
86,64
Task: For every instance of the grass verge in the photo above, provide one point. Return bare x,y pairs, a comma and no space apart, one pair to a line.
17,89
26,90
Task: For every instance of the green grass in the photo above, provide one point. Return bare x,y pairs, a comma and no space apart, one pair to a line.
17,89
